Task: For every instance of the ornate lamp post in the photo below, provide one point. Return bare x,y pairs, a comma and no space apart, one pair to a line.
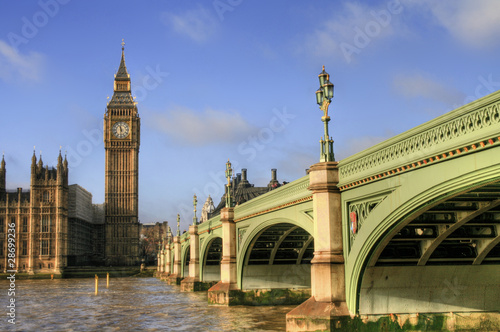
195,202
324,97
178,225
229,174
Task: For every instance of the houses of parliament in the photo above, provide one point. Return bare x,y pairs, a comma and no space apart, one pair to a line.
55,225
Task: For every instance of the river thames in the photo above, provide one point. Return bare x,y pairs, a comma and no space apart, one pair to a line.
130,304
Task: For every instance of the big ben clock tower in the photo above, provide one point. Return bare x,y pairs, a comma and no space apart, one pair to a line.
121,143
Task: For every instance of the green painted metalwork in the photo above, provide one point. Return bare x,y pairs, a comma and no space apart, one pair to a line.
385,186
195,202
229,174
473,129
412,192
185,247
470,124
324,97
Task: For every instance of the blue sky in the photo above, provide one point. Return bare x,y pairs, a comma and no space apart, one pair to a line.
231,79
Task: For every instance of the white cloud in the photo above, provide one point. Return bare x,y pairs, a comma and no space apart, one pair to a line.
351,29
418,85
201,129
357,144
474,23
19,67
198,24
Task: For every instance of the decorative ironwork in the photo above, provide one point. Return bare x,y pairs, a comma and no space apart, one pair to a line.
241,233
229,174
195,202
360,212
324,97
417,145
178,225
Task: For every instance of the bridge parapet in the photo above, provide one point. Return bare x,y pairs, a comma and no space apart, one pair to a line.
289,194
471,126
286,195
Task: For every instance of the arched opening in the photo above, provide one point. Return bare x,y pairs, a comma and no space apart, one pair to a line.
279,257
211,261
185,263
440,259
172,257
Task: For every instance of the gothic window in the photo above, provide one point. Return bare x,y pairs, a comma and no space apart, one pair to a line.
46,196
25,224
45,249
1,248
45,224
24,248
2,226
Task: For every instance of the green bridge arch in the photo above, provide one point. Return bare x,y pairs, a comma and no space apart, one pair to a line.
390,187
259,226
388,197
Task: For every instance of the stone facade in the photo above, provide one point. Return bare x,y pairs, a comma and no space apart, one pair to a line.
121,143
53,222
40,219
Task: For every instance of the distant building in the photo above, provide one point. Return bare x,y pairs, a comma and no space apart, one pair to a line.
243,191
85,228
55,225
152,235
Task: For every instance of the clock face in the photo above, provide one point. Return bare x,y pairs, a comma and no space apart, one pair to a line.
120,129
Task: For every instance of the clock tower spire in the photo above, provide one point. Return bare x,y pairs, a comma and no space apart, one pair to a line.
121,144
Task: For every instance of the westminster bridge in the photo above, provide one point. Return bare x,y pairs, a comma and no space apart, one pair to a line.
407,231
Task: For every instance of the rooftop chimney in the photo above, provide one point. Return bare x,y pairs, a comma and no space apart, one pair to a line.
244,182
274,181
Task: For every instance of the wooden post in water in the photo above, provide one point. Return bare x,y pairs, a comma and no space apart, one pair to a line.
96,284
107,280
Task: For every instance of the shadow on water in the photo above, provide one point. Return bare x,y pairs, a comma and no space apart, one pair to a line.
130,304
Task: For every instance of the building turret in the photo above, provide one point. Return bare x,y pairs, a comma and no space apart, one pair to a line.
40,163
33,159
59,159
60,170
66,170
33,167
2,175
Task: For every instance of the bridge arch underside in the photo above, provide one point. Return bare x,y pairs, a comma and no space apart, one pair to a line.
444,257
186,257
211,260
279,256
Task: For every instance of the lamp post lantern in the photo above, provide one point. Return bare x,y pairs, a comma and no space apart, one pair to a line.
178,225
229,174
195,202
324,97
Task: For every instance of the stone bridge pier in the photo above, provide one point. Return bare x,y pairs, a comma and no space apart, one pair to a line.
226,290
175,278
192,282
326,308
